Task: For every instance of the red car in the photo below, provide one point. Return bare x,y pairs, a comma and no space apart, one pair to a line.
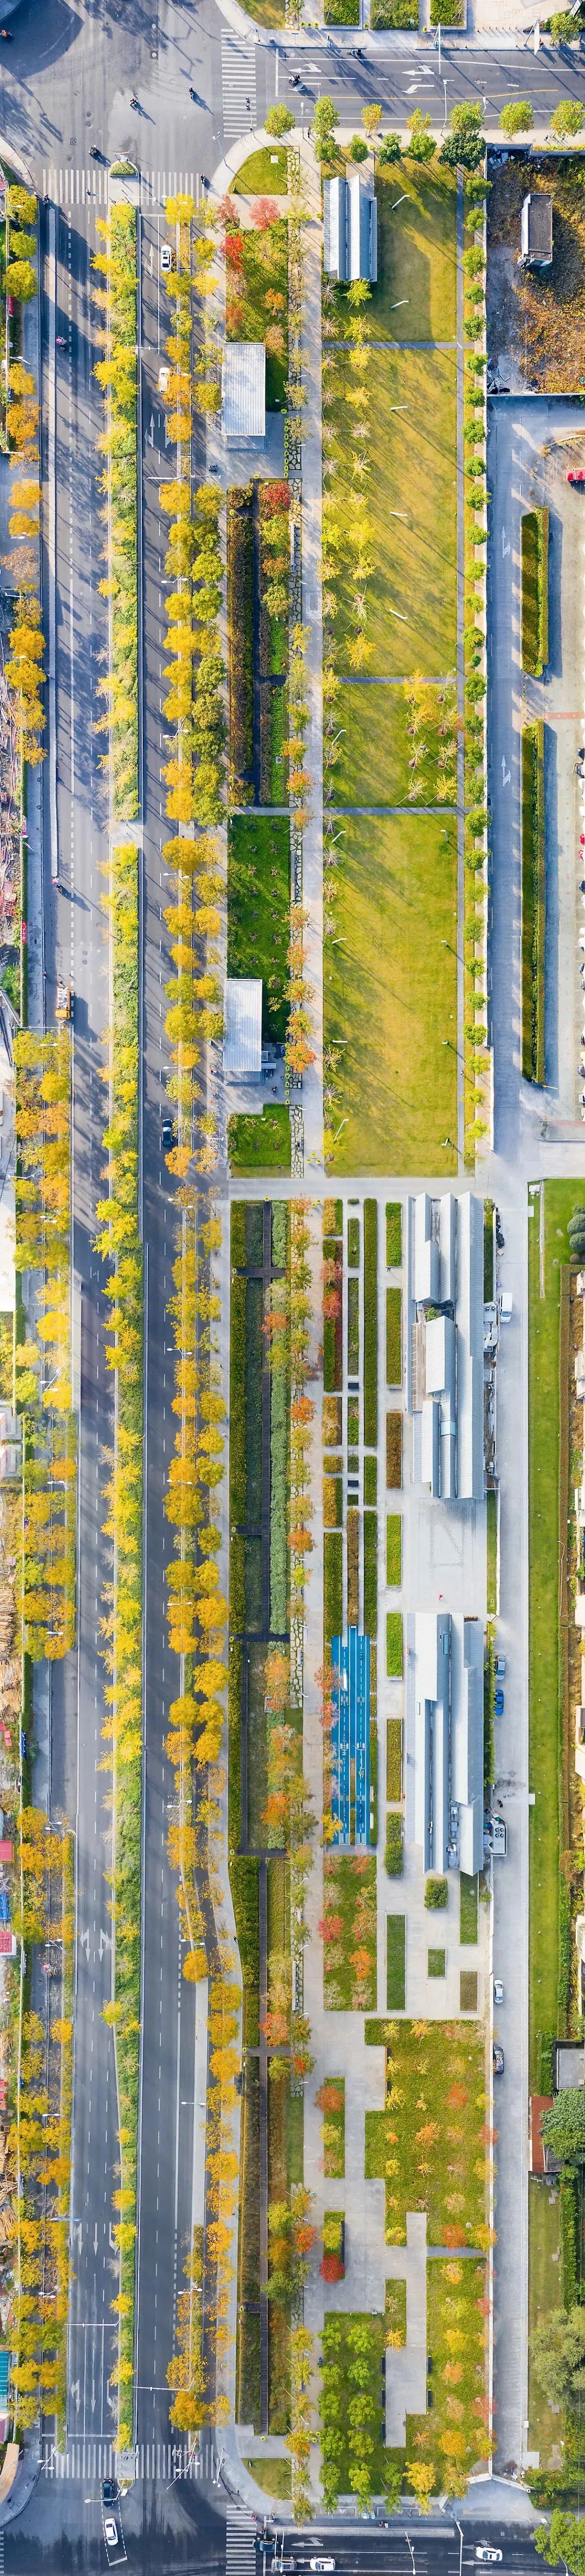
576,474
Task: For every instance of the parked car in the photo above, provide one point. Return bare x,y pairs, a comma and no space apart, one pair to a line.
111,2534
489,2557
110,2491
505,1306
500,1667
498,2067
499,1232
164,378
499,1703
497,1837
498,1990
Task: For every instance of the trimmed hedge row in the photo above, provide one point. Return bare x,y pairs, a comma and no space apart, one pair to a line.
533,903
352,1567
332,1583
394,1846
393,1760
393,1337
395,1962
240,619
393,1234
394,1451
370,1323
394,1645
534,558
394,1548
370,1573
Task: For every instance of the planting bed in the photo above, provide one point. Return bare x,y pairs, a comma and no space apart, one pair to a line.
349,1958
428,2144
258,904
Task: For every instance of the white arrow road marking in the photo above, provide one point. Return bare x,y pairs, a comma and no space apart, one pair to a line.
75,2393
84,1939
112,2239
506,773
95,2239
150,432
105,1942
505,543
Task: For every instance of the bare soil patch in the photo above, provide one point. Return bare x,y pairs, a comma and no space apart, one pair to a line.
536,324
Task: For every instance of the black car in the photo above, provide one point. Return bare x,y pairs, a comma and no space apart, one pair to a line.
499,1232
169,1134
110,2491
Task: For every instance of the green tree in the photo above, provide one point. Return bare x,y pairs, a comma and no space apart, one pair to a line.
421,145
371,118
278,119
563,2126
325,121
558,2356
358,149
464,144
389,150
567,118
566,2539
517,117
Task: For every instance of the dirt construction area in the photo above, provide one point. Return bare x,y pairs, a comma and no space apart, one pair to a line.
536,323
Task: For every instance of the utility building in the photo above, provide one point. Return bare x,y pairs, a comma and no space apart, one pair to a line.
243,393
350,229
242,1041
445,1344
444,1739
536,244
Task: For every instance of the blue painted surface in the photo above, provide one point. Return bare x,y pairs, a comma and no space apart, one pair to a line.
350,1736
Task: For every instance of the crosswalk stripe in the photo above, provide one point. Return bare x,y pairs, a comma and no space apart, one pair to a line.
238,73
153,2460
240,2555
74,185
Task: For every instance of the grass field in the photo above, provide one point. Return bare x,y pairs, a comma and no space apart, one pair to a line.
258,909
417,255
390,993
560,1197
258,281
264,173
372,765
411,624
260,1143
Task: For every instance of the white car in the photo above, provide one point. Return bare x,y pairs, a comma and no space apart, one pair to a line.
322,2566
111,2531
489,2557
505,1316
164,378
166,258
498,1991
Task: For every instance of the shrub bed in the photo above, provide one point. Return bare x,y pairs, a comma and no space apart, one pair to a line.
332,1583
534,557
394,1548
353,1528
332,2266
371,1482
533,902
393,1234
393,1760
353,1242
353,1327
436,1895
394,1451
393,1337
394,1848
395,1962
370,1573
370,1322
468,1911
240,613
394,1644
394,13
332,2105
436,1963
341,13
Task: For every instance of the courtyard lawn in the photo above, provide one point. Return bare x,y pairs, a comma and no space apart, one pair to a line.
263,174
429,2160
417,255
544,2294
560,1198
258,910
412,602
390,993
372,765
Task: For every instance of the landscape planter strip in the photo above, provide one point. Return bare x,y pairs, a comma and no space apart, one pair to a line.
533,903
534,538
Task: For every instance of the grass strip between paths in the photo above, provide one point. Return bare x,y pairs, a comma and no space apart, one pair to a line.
533,903
534,612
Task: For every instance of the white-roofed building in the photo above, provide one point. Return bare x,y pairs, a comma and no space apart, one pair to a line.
445,1345
350,228
242,1041
243,393
444,1739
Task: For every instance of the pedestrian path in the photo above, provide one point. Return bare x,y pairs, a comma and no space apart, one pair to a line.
238,74
73,186
158,2460
239,2543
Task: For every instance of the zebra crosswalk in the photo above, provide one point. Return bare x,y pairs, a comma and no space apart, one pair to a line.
72,186
159,2461
238,74
240,2555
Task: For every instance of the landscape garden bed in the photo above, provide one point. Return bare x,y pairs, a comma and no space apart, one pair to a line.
349,1954
533,903
394,1451
260,1144
395,1962
534,535
428,2144
258,909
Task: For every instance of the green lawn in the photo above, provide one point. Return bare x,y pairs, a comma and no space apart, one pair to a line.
560,1198
272,2475
260,1143
258,280
468,1905
265,172
417,254
372,763
432,2068
390,993
544,2294
258,910
412,606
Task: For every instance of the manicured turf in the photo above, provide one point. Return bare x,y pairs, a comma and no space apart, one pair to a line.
411,624
393,1336
394,1644
258,282
273,2476
394,1548
395,1962
468,1899
391,993
258,176
417,254
372,766
543,2295
393,1234
260,1144
258,910
393,1760
434,2069
560,1198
